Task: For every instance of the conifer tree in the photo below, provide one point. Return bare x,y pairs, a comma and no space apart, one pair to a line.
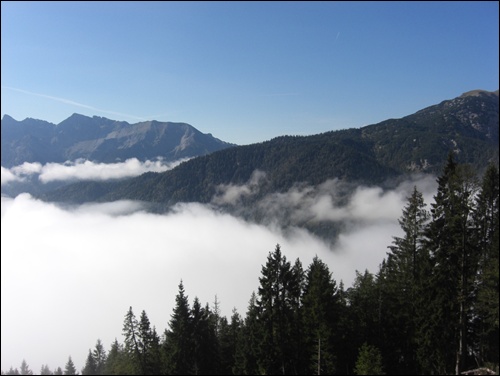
99,356
25,369
250,351
279,293
132,342
444,336
178,345
90,366
117,361
486,219
70,369
320,315
399,282
45,370
369,361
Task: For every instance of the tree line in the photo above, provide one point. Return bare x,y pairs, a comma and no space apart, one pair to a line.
432,307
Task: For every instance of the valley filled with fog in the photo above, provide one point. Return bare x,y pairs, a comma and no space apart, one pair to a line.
70,273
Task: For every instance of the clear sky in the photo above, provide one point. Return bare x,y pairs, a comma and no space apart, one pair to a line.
244,71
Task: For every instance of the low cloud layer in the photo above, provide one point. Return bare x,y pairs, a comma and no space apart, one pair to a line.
70,274
84,170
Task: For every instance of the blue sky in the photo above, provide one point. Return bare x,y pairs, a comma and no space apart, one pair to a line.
244,71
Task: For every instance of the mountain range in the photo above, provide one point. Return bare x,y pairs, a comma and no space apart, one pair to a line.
467,125
100,139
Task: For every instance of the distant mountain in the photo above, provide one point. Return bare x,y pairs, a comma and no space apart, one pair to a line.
467,125
101,140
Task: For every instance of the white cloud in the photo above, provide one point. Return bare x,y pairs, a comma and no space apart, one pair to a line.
232,194
82,169
68,275
8,176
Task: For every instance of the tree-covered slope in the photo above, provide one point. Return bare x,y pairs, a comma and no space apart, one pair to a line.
467,125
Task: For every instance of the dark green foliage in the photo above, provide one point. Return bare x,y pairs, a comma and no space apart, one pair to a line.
369,361
320,316
96,360
486,218
90,366
399,280
178,344
279,297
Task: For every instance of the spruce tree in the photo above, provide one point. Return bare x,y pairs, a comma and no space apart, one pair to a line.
132,341
70,369
399,282
320,316
45,370
25,369
369,361
279,293
444,335
250,350
90,366
486,219
99,355
178,344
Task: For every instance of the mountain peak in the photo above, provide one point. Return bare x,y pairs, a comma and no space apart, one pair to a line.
478,92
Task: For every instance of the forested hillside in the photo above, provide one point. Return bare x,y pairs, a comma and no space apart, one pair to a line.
467,125
431,308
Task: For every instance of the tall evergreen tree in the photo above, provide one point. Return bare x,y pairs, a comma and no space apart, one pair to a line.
90,366
132,342
45,370
486,219
178,345
279,286
204,356
400,283
25,369
69,368
99,355
453,261
320,316
249,346
117,361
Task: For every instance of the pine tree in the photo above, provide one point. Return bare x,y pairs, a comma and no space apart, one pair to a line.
279,294
99,356
25,369
178,341
369,361
444,335
117,361
204,351
132,342
90,366
70,369
486,219
249,347
320,315
45,370
399,282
